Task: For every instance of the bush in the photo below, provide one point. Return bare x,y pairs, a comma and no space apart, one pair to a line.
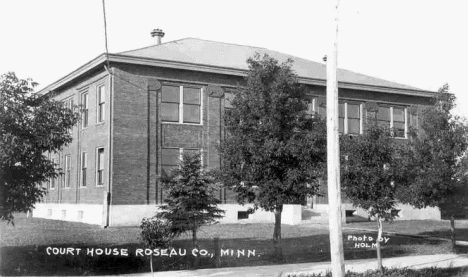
156,232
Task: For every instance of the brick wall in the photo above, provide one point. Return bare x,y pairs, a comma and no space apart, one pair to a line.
88,140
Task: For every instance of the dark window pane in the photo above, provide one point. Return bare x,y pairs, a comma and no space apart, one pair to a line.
341,110
354,111
399,129
191,151
383,114
414,120
323,111
398,115
341,125
83,176
170,94
170,112
167,171
382,123
310,108
191,96
227,100
170,156
192,113
354,126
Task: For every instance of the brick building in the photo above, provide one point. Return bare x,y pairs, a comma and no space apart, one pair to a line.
142,108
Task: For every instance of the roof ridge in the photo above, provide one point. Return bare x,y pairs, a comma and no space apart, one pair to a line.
227,43
172,41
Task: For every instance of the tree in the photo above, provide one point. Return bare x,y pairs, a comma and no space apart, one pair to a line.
30,126
274,153
190,203
434,157
370,174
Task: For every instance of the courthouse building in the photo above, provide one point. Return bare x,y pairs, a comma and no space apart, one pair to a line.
142,108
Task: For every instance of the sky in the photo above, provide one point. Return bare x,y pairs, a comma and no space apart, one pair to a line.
418,43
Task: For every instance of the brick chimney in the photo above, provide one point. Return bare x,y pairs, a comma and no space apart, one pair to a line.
157,34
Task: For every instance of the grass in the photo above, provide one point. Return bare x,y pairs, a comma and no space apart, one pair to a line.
23,247
431,228
403,272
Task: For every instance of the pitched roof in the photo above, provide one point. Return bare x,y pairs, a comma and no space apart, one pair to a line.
211,53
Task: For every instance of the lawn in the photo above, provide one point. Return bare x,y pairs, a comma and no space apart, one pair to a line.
431,228
24,247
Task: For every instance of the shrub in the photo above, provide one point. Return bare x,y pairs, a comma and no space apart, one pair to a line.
156,232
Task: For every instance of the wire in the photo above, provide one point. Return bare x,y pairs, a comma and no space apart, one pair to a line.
105,34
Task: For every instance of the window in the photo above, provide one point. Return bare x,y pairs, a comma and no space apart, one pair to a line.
84,110
181,104
67,171
100,167
353,112
341,117
68,103
101,103
84,167
171,157
228,97
349,118
383,117
52,180
192,105
393,118
311,107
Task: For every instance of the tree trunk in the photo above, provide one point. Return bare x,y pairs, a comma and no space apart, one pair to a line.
151,265
194,238
452,232
277,234
379,238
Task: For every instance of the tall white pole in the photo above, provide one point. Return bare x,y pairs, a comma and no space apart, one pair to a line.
333,159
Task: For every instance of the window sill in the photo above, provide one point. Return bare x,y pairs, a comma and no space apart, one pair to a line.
177,123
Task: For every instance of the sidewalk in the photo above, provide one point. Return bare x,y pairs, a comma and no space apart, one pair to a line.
415,262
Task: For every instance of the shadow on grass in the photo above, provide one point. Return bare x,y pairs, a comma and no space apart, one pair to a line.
34,260
460,233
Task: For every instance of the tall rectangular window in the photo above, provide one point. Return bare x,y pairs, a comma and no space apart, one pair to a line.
101,103
192,105
354,118
384,117
53,180
67,171
170,99
181,104
84,168
341,117
170,158
100,167
399,122
228,97
84,110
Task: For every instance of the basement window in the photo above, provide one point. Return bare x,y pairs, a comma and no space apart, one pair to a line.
242,215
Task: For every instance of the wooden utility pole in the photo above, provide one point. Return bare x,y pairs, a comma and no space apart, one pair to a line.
333,159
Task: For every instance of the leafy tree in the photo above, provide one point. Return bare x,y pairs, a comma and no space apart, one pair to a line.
434,157
274,153
370,175
191,201
156,233
30,126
